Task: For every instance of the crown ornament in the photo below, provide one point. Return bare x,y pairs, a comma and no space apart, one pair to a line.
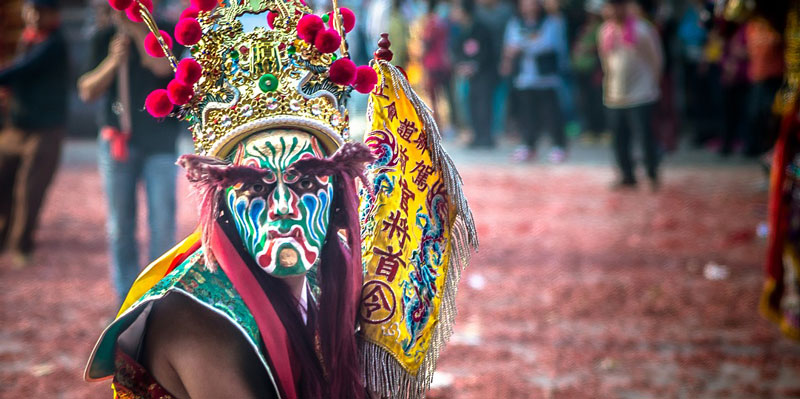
292,72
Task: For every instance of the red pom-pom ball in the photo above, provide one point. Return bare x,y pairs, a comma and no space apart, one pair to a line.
179,93
157,103
342,71
366,78
271,19
133,10
348,19
327,41
308,27
204,5
189,71
188,31
152,47
189,12
119,5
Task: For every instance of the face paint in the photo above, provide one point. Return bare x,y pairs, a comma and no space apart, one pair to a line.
282,220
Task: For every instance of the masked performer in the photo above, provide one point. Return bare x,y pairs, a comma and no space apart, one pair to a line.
288,289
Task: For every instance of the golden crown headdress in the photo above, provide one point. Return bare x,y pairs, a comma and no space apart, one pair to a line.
293,72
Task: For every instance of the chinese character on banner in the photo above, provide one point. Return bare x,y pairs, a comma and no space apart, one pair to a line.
405,195
388,263
377,302
397,224
402,158
379,90
391,111
422,141
423,171
407,129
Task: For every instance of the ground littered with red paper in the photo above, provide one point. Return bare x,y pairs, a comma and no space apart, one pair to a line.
577,291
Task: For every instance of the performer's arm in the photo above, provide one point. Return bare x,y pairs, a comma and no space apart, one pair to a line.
94,83
194,353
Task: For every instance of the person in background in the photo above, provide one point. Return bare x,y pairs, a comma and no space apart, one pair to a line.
383,14
553,8
710,93
531,58
632,60
495,14
765,71
588,73
398,33
735,84
692,34
436,61
36,83
666,117
122,75
475,61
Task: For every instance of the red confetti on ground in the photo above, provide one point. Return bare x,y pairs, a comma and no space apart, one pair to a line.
577,292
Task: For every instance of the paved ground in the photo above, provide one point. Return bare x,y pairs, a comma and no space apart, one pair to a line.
577,292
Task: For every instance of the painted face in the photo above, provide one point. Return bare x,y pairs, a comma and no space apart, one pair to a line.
282,220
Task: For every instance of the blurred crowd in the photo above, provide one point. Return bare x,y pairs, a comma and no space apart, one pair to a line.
522,68
653,72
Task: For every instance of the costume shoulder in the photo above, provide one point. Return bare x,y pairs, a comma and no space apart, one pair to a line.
189,276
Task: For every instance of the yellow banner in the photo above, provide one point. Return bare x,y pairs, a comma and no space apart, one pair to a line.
406,227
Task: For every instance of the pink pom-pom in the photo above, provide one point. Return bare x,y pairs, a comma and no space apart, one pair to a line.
119,5
189,71
133,10
271,19
152,47
365,80
157,103
309,26
179,93
348,19
189,12
327,41
204,5
342,71
188,31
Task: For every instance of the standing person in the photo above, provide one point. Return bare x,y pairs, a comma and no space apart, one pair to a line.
532,58
553,8
122,75
632,59
735,84
692,34
436,60
588,73
475,61
30,144
765,71
495,14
